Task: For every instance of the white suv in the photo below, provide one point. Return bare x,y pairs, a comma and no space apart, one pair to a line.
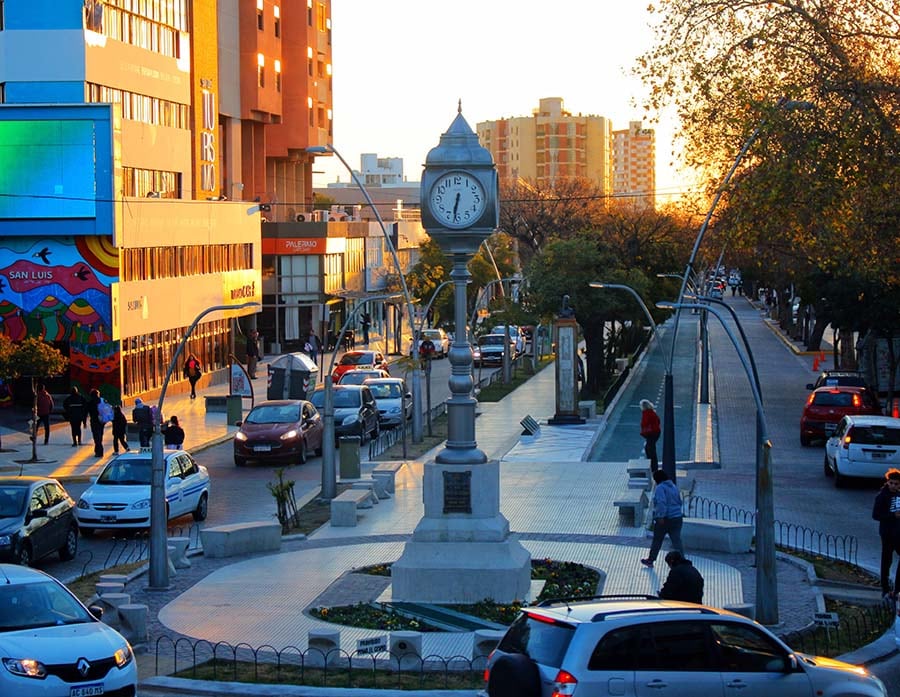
862,446
641,645
51,644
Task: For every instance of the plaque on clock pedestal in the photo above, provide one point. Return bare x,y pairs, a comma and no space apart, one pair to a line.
566,332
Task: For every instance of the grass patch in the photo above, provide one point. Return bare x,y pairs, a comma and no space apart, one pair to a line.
361,676
314,514
85,587
834,570
497,390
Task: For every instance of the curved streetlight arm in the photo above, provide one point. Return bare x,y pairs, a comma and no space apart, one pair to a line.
640,300
416,373
158,573
481,293
431,300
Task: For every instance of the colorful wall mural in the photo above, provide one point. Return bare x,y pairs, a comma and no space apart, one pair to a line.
58,289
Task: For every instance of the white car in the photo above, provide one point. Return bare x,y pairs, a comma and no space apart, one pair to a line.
516,335
862,446
51,644
391,397
119,498
440,340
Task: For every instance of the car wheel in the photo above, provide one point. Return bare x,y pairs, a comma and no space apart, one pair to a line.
840,481
827,467
318,450
804,441
239,461
301,456
514,675
23,558
70,546
202,508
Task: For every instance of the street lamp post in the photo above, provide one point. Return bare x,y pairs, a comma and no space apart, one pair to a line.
766,583
507,377
158,573
416,373
329,472
669,430
428,364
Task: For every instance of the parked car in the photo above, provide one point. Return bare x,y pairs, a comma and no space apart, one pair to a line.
394,401
826,405
37,518
489,349
119,497
283,429
838,378
355,411
51,644
439,338
358,377
643,645
516,335
359,360
862,446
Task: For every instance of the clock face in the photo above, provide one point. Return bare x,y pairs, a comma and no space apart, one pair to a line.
457,199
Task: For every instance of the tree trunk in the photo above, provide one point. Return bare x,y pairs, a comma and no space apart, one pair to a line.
594,344
815,337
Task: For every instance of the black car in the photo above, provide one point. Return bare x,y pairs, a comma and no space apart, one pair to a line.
37,518
838,378
355,411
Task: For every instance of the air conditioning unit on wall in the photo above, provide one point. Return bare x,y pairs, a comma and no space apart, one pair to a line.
320,216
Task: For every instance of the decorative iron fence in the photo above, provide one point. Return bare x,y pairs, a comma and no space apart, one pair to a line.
866,625
788,535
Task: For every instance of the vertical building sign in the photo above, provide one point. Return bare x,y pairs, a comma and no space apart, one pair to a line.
205,100
208,181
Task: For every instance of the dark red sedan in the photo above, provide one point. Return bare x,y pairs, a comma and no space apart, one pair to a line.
827,405
286,430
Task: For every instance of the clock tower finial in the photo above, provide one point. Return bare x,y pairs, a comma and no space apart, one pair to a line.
459,106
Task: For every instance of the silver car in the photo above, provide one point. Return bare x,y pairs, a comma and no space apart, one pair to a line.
642,645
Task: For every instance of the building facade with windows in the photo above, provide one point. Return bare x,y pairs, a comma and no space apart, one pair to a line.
634,164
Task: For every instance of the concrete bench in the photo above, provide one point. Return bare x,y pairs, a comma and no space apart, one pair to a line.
323,646
177,548
639,467
632,504
110,604
484,641
133,622
368,485
587,409
343,507
716,535
389,471
240,538
104,587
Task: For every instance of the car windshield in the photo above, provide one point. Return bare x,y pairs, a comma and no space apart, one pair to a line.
126,472
431,334
385,390
342,398
43,603
357,358
875,435
491,340
12,501
274,414
358,377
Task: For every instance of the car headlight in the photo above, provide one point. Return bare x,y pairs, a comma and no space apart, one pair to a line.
290,435
83,505
394,410
123,656
25,667
240,435
142,504
5,540
350,420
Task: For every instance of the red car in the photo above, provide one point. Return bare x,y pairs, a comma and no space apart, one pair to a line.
828,405
359,360
286,430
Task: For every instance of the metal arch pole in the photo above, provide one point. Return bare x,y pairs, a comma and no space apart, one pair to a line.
329,472
158,573
766,581
417,371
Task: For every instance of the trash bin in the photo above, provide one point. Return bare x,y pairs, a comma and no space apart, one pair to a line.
349,449
234,409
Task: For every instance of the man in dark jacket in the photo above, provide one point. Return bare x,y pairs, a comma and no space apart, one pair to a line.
887,512
75,409
684,581
143,417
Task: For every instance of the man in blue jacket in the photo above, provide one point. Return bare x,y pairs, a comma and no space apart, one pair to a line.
667,516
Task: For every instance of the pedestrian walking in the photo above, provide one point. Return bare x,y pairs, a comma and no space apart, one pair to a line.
119,429
364,323
75,410
667,516
650,432
886,511
192,371
684,582
312,346
96,420
143,417
252,353
173,434
43,403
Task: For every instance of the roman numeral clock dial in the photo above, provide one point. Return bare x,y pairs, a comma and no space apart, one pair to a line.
457,199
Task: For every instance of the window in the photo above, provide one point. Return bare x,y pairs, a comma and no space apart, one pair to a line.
278,75
742,649
277,21
309,12
261,69
674,646
259,15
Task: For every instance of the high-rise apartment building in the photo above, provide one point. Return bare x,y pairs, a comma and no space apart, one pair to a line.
141,140
634,164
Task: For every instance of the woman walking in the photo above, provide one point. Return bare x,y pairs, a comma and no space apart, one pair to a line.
650,432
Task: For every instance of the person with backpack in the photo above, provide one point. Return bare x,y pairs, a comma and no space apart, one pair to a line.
192,371
119,429
143,417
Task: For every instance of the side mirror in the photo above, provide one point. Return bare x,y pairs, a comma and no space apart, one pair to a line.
408,395
39,513
809,386
238,423
96,611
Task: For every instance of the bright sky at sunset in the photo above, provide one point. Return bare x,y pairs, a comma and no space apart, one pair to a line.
401,65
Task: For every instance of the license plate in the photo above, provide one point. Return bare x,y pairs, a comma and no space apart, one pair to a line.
262,448
107,519
879,456
86,690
